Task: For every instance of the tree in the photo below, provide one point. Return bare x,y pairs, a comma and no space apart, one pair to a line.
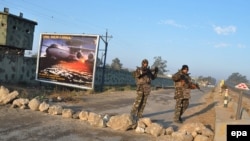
208,80
107,66
161,64
236,78
116,64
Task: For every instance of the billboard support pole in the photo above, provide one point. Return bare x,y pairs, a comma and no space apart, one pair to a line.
105,55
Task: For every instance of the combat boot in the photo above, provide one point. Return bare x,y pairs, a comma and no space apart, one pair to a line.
180,119
134,118
177,120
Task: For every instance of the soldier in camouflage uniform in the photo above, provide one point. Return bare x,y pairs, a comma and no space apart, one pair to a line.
143,76
183,86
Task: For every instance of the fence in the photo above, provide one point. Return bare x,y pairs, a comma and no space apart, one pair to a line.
17,69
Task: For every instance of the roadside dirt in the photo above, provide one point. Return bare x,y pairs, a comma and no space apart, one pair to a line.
234,96
204,113
17,124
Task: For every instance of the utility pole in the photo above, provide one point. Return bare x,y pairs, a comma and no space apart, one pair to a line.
105,40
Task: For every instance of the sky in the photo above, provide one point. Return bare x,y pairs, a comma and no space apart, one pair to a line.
210,36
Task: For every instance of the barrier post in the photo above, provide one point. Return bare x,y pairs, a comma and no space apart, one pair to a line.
226,98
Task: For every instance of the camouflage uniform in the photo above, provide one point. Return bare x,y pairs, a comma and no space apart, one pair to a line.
143,76
183,83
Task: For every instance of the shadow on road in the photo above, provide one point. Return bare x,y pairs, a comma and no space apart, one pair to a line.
168,111
209,107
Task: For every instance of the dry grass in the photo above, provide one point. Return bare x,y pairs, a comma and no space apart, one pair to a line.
65,93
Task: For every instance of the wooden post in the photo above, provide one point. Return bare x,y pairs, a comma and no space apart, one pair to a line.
238,113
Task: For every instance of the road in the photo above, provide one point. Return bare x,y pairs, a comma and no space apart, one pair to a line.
17,124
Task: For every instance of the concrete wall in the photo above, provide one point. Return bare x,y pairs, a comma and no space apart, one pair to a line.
115,77
22,70
17,69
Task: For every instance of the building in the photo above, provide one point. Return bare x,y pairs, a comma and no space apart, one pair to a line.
16,33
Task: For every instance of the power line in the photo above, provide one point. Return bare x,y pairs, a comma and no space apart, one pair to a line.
37,11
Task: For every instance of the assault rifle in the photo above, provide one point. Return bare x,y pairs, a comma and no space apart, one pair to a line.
196,86
148,71
191,85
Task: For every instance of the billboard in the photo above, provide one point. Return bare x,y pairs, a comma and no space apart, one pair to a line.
67,59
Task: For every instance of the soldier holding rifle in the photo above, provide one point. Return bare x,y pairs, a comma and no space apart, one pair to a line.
183,86
143,76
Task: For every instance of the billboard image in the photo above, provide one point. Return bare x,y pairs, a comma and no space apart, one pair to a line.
67,59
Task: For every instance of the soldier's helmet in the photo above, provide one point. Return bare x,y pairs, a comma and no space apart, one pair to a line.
144,61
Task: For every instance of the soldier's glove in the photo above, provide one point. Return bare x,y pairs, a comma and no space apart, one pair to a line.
197,86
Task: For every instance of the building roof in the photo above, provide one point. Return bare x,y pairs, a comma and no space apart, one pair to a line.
18,17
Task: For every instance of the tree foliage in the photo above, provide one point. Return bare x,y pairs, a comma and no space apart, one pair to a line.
208,79
161,64
116,64
107,66
236,78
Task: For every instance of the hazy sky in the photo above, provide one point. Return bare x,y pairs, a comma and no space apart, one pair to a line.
211,36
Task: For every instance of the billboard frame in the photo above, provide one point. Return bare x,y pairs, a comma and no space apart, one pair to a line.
65,56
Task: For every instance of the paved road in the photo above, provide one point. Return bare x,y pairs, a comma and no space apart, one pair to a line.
17,124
